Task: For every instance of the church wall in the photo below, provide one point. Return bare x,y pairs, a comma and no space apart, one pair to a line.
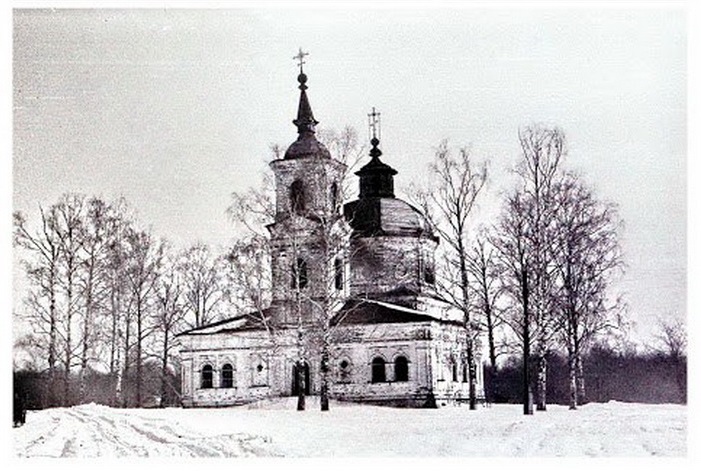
429,347
449,364
382,264
256,372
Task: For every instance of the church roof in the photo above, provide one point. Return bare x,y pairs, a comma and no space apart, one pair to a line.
237,323
386,216
368,311
354,311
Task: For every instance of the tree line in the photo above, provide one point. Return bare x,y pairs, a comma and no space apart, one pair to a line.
106,296
621,373
104,300
537,283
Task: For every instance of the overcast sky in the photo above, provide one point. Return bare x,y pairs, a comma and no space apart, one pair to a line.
176,109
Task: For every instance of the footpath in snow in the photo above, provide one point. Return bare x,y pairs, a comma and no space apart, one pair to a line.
275,428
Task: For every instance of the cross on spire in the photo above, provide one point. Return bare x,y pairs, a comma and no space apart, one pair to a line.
374,124
300,59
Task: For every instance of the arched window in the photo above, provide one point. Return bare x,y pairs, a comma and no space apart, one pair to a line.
344,371
454,367
300,276
338,273
300,377
227,376
207,377
378,370
334,195
298,199
429,275
401,369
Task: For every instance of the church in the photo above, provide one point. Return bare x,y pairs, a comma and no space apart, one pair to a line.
352,296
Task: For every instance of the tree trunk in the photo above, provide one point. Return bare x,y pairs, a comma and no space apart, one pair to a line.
301,385
471,373
52,340
492,370
139,371
114,336
579,372
464,286
124,372
119,398
527,397
572,378
164,370
69,319
86,339
324,393
542,381
490,338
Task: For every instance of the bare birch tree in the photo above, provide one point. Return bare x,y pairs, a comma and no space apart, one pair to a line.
586,257
42,272
449,203
168,318
486,294
542,150
145,255
117,317
70,216
511,240
202,283
93,282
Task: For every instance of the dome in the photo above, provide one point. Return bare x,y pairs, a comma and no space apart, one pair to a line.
386,216
307,146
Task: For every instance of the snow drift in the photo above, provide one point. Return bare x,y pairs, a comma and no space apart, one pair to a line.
275,428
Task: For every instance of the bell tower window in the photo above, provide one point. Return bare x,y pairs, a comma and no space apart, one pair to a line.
338,273
298,200
429,275
334,196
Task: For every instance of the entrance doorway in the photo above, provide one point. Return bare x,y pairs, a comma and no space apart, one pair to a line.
296,379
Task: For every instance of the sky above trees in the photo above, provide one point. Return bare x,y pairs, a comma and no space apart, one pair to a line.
176,109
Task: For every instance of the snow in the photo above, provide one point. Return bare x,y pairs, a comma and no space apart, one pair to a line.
275,428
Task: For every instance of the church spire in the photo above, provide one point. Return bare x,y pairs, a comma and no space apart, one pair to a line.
376,177
306,144
305,121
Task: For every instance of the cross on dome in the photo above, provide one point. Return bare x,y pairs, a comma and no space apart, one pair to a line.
300,59
374,124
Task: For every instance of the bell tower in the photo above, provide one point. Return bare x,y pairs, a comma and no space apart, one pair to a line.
308,199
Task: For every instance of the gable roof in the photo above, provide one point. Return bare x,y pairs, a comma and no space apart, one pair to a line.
248,321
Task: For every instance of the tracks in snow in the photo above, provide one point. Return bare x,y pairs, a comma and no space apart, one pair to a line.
94,431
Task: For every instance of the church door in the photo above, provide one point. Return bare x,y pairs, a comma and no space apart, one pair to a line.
296,379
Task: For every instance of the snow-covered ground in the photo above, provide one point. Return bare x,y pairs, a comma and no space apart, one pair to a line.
276,429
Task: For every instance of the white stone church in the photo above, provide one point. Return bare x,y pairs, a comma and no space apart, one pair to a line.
391,340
